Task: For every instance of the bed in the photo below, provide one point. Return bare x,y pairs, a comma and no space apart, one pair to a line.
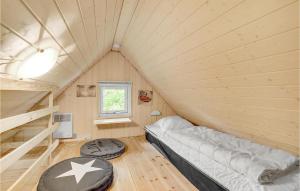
216,161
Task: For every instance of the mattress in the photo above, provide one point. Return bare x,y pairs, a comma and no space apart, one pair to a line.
198,178
176,139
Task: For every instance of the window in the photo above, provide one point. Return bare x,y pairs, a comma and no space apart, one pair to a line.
115,99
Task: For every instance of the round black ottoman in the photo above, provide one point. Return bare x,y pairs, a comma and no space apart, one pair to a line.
104,148
77,174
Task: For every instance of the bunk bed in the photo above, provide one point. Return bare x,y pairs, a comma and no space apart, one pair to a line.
212,160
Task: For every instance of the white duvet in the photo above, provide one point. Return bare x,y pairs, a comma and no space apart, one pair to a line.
237,164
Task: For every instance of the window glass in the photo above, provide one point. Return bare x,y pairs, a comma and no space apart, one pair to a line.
115,98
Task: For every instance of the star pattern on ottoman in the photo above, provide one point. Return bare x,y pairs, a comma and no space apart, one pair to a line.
79,170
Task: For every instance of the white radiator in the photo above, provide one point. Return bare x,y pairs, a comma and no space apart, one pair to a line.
65,129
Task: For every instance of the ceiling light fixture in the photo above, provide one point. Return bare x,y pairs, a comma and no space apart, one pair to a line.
38,63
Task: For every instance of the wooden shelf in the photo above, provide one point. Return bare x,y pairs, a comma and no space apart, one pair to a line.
111,121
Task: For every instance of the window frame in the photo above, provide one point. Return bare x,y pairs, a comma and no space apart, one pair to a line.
127,86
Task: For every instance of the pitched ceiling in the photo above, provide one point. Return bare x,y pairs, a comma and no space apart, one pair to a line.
212,60
228,64
82,30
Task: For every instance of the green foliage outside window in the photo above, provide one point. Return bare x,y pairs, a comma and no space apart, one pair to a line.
113,100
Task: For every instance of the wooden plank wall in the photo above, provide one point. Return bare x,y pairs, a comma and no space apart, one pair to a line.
228,64
231,65
113,67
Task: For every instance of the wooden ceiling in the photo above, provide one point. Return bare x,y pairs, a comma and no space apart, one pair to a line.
82,30
232,65
228,64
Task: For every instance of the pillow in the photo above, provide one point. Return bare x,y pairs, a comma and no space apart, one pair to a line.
172,122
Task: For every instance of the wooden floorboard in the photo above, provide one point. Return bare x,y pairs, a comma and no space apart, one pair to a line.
141,167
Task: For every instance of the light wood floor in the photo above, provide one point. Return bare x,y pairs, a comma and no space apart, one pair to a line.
140,168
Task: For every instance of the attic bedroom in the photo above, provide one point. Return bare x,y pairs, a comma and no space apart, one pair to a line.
149,95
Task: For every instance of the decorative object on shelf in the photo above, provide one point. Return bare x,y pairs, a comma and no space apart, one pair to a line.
86,91
145,96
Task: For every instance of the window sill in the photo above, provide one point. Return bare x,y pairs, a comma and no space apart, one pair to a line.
112,121
114,116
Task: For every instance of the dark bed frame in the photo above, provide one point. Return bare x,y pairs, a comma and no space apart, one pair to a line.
199,179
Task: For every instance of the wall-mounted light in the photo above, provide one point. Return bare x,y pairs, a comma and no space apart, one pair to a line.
38,63
155,113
